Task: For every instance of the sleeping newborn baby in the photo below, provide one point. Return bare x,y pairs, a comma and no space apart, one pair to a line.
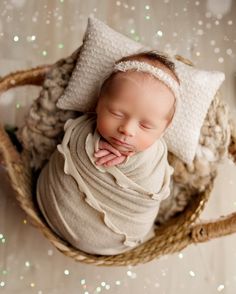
102,187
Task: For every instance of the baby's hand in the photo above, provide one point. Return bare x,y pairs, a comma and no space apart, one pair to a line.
108,155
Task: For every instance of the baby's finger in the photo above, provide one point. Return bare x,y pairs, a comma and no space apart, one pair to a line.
101,153
107,146
105,159
115,161
128,153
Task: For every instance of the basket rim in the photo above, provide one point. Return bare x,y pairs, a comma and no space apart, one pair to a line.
178,231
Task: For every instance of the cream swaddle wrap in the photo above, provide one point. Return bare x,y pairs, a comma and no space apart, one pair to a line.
102,210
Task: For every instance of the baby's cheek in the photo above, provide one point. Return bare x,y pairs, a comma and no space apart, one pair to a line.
145,141
103,127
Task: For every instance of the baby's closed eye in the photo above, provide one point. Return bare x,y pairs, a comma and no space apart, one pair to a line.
142,124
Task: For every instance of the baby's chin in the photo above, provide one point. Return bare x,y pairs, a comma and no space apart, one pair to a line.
127,153
123,150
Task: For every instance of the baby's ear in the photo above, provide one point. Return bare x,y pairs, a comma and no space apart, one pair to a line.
164,131
96,107
167,122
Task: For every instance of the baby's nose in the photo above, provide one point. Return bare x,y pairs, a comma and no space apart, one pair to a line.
127,128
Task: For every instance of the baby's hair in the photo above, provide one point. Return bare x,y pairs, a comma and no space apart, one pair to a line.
154,58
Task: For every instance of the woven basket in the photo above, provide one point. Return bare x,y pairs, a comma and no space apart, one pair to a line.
174,234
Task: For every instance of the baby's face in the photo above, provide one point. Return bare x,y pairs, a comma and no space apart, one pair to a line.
135,109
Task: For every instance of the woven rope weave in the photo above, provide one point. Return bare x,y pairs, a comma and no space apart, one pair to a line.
193,182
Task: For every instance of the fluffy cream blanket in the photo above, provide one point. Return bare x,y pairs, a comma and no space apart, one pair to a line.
102,210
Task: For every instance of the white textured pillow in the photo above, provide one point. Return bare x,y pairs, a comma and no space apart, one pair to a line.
102,46
197,90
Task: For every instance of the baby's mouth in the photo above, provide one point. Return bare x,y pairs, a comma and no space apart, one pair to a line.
121,143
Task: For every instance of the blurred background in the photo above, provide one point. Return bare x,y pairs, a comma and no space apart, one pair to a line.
41,32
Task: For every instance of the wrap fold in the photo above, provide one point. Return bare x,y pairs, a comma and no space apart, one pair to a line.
102,210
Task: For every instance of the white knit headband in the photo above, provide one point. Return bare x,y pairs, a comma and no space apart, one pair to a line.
156,72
